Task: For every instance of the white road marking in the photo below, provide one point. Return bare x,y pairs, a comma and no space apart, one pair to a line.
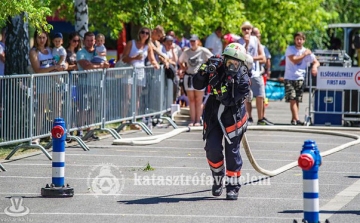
340,200
158,215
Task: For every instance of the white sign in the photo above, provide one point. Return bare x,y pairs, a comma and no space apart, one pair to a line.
339,78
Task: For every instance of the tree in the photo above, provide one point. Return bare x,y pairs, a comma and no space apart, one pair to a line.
81,17
17,45
16,18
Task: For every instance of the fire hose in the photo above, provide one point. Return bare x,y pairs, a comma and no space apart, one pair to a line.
149,140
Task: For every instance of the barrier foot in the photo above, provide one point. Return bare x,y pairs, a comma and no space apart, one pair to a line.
144,127
88,134
112,132
48,146
79,141
28,146
2,167
118,129
172,123
52,191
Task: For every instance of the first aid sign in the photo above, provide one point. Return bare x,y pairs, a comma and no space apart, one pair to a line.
338,78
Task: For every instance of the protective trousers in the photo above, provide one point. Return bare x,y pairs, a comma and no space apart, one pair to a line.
215,156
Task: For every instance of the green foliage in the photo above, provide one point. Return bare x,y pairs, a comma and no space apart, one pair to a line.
36,10
277,19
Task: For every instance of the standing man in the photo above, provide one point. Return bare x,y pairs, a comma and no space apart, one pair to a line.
214,43
88,84
297,59
257,83
2,51
267,65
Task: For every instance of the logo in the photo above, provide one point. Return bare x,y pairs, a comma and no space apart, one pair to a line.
16,209
105,179
357,78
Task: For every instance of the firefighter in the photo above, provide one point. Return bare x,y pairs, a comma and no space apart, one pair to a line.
225,115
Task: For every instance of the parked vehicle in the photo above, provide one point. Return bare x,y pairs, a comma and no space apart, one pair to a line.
277,66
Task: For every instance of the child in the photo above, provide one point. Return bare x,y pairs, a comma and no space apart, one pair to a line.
100,50
59,51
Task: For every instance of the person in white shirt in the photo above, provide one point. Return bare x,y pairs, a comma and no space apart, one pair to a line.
297,59
59,52
253,47
214,43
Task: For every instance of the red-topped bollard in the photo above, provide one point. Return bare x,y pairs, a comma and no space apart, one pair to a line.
309,161
57,187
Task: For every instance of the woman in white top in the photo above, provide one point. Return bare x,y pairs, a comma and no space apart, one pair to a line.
42,61
135,53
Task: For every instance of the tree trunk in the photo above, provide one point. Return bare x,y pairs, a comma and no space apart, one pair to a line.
81,17
15,101
17,45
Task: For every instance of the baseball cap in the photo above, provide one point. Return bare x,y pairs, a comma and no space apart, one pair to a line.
194,37
246,24
58,35
169,38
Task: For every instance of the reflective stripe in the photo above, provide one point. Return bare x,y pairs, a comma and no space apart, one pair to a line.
238,125
311,205
233,173
223,89
216,165
311,186
233,134
217,170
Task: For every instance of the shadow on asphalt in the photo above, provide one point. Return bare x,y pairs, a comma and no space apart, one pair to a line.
170,199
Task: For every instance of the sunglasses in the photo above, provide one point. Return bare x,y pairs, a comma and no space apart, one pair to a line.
143,32
245,28
76,40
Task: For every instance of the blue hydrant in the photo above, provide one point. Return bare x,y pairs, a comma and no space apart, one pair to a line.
58,143
57,187
310,161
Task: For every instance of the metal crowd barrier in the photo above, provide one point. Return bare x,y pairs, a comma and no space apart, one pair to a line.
339,106
85,99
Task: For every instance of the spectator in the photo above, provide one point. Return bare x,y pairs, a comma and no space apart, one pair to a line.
2,51
73,47
157,36
42,61
183,42
135,53
41,58
267,65
182,100
59,51
100,49
297,59
214,43
175,45
171,71
88,84
257,83
190,61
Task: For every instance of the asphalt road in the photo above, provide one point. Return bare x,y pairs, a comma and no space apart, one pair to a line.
169,181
